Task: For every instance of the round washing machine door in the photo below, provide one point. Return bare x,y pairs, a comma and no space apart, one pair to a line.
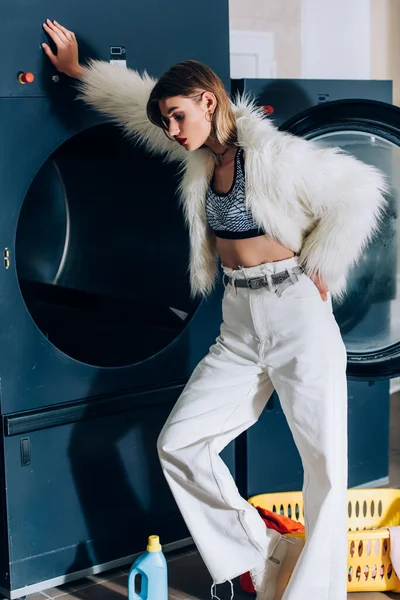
102,251
369,314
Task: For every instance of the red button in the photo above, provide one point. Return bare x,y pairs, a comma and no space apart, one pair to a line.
26,78
268,109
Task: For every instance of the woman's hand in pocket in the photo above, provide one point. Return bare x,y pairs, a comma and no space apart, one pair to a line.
322,288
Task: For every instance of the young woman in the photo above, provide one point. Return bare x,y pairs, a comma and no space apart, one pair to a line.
287,219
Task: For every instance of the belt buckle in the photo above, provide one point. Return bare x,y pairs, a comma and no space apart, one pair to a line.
278,279
256,283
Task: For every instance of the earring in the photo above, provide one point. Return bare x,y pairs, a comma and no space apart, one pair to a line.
210,116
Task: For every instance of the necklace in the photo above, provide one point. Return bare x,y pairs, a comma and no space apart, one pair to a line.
218,156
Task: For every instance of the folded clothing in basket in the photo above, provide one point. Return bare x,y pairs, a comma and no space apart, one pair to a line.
281,524
394,533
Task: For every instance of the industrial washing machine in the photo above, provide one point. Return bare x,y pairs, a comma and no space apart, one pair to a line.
98,332
358,117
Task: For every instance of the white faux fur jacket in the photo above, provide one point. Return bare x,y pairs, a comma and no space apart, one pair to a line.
320,203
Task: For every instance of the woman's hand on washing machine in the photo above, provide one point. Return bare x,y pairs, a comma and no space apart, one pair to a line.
67,58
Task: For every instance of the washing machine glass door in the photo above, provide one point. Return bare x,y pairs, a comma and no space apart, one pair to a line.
102,251
369,314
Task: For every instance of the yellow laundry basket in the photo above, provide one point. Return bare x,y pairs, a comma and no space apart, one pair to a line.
370,513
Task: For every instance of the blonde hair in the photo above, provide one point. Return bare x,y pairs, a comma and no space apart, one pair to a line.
189,78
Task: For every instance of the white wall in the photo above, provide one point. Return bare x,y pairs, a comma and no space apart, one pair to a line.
349,39
280,20
326,39
385,43
252,54
336,39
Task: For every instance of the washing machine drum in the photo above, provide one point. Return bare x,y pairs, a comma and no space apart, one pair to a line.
367,314
102,251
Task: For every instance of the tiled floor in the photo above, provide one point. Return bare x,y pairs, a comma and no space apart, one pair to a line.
188,577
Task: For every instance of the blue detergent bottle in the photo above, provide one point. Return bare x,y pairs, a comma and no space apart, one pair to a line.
152,567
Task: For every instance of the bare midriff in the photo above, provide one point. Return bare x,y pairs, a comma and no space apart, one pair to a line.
251,252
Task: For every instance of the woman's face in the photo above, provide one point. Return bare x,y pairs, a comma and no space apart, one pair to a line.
187,118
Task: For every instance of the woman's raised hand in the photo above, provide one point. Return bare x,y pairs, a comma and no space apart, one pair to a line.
67,58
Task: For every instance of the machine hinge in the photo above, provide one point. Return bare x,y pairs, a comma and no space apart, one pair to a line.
6,258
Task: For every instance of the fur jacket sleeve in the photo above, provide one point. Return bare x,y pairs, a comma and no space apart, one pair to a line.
122,94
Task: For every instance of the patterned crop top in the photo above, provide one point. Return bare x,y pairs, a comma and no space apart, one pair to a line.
227,214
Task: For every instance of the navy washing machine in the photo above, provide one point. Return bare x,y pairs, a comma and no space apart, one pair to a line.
98,331
358,117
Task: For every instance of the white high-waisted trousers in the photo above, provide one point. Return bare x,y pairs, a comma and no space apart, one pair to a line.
291,344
